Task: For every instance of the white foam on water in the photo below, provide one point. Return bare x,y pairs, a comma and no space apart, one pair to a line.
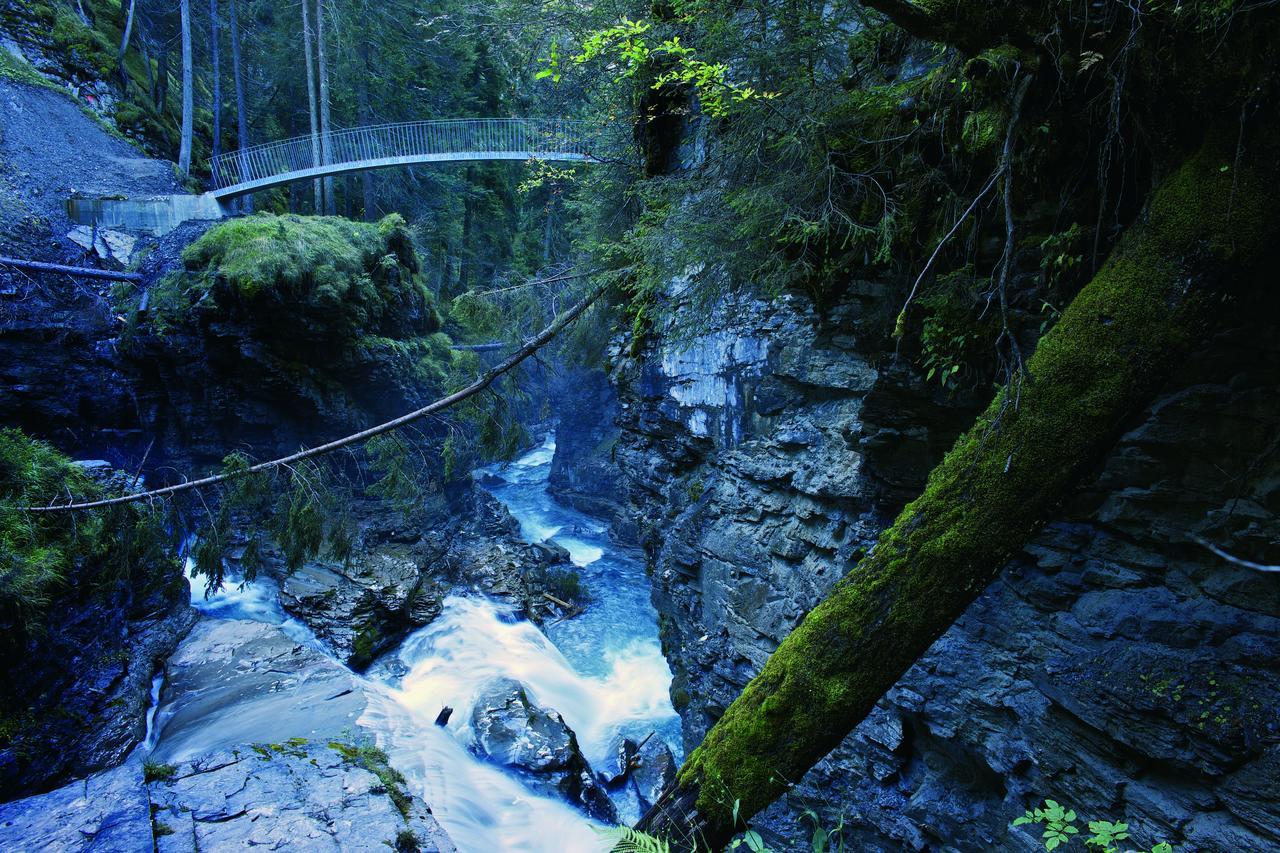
476,640
581,553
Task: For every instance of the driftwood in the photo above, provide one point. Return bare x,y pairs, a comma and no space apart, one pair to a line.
632,763
564,605
83,272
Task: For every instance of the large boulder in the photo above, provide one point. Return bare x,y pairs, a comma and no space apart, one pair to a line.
646,768
653,769
234,682
513,731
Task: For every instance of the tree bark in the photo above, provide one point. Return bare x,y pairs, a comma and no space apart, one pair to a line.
326,126
215,58
364,114
124,41
312,110
162,79
1204,227
188,90
242,113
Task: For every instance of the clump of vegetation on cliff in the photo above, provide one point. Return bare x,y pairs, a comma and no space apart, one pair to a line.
45,556
332,276
328,300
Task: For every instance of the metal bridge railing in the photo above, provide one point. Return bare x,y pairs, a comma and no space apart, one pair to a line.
478,139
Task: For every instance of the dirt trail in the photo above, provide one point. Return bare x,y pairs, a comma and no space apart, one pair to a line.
50,149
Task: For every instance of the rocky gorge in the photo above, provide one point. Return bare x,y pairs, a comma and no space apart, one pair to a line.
762,456
837,427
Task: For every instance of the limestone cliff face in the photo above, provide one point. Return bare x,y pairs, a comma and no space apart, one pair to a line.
1116,666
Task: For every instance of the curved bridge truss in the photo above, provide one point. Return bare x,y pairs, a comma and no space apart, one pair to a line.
356,149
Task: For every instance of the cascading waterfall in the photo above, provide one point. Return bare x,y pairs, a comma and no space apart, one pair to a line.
603,671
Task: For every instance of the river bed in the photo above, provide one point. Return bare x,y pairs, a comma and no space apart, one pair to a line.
602,670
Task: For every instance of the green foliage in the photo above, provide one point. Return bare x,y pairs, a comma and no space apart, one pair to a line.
364,753
38,552
301,521
628,840
955,340
18,70
365,272
566,585
154,771
407,841
628,46
44,556
695,490
1062,254
824,840
1060,829
365,645
398,480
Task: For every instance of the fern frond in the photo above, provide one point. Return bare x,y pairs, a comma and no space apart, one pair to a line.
628,840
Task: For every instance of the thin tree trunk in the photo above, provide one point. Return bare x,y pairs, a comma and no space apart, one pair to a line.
188,90
215,148
1101,363
242,114
146,61
531,346
162,79
312,109
364,114
326,126
124,41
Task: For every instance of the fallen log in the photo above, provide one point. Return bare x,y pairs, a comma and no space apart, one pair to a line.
83,272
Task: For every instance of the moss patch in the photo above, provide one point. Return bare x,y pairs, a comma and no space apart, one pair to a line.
374,760
46,556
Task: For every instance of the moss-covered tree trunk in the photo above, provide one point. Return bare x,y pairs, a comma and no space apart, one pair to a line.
1207,226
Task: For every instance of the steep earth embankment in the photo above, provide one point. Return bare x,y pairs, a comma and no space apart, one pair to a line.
1116,666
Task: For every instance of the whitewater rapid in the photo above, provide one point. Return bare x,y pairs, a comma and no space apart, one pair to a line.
603,671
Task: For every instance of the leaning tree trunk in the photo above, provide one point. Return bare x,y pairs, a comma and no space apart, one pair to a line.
242,112
188,91
1204,226
312,112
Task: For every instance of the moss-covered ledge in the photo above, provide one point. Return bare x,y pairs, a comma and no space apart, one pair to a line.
1206,229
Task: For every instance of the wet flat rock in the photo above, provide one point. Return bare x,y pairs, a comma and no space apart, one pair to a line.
298,796
106,813
238,682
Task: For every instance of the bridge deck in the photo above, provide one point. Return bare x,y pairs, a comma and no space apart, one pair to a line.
356,149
